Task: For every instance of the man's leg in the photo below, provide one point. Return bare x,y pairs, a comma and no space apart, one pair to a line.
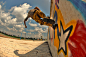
38,20
41,22
41,14
45,19
49,20
38,15
26,20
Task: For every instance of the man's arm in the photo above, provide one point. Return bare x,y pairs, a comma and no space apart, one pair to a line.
25,21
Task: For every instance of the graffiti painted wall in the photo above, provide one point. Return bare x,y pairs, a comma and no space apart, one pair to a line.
68,37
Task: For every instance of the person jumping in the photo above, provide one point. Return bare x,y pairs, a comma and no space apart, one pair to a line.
36,14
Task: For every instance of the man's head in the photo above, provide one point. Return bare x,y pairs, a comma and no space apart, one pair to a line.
37,8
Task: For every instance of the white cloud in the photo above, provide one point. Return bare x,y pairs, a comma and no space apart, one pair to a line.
19,27
13,29
37,29
39,32
0,6
14,25
29,33
31,30
35,25
20,12
37,35
4,16
23,32
31,24
42,26
30,18
11,21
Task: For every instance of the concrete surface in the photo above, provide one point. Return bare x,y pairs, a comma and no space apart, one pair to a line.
23,48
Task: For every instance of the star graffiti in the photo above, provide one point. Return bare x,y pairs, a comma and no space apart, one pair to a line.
63,38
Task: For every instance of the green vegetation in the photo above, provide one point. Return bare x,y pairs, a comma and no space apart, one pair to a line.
13,36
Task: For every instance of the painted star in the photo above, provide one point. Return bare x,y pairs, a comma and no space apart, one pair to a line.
63,37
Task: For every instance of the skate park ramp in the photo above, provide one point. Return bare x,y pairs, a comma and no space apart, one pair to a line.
68,39
23,48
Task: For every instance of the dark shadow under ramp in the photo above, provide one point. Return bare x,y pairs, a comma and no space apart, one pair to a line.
40,51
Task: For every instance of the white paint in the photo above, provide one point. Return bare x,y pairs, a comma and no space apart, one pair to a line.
63,38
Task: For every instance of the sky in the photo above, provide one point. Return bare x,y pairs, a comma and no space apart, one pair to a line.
13,13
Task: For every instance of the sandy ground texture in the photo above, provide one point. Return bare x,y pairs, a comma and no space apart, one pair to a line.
23,48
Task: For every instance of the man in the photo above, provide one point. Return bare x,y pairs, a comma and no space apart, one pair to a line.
36,14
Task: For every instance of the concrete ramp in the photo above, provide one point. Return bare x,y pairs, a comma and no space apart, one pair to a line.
23,48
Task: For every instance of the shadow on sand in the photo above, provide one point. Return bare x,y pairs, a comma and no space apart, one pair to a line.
40,51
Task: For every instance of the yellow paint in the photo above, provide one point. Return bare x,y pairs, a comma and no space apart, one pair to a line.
56,41
65,26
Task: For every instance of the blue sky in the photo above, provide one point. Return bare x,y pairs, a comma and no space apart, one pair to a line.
13,12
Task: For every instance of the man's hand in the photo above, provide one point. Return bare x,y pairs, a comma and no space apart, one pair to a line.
25,23
25,26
